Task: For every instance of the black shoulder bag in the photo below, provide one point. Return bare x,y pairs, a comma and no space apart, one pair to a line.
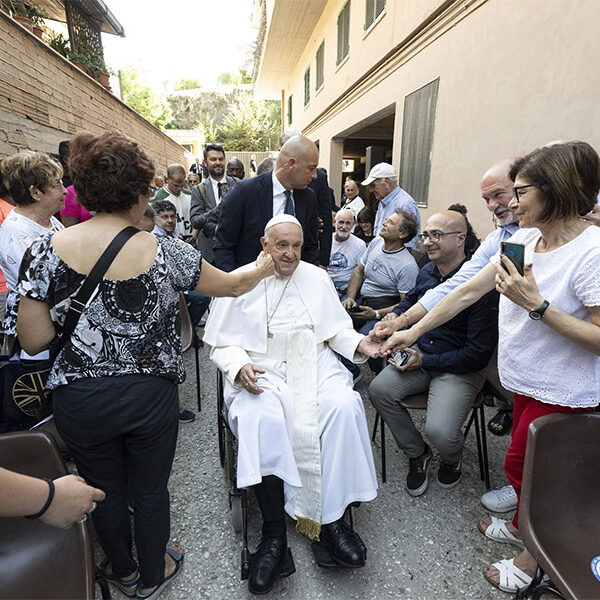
25,399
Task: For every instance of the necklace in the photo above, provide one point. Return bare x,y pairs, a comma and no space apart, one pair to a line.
270,318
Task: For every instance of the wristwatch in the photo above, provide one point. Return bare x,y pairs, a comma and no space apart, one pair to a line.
377,315
537,313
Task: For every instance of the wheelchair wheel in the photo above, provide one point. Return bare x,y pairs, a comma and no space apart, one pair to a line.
236,511
221,425
229,456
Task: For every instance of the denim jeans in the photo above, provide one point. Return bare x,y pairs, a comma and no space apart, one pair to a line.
197,304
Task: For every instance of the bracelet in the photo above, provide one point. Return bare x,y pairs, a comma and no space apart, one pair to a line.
48,501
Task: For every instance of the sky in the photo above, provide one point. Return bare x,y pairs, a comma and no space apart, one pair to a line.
172,39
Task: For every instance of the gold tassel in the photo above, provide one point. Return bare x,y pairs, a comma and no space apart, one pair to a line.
308,527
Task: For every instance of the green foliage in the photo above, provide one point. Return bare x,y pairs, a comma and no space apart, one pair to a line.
35,13
234,78
187,84
58,42
16,7
139,96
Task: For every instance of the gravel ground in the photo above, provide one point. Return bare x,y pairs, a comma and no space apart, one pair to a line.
419,548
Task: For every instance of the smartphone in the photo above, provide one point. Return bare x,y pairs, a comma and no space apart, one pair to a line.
354,309
515,253
400,357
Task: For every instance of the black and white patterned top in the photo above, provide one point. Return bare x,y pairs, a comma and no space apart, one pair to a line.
128,327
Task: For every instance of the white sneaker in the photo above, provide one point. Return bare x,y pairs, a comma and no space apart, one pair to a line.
500,501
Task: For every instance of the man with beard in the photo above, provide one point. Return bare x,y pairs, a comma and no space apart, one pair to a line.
346,251
207,197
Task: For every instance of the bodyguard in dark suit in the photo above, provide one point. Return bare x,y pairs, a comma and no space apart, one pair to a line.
320,187
253,202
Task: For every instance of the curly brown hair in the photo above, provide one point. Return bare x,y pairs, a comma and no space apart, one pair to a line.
109,171
25,169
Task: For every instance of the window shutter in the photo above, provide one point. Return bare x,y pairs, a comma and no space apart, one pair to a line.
320,66
307,86
417,141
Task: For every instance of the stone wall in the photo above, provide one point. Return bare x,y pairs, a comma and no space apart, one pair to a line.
45,99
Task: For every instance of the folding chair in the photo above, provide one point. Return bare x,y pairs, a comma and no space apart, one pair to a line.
419,402
558,513
37,560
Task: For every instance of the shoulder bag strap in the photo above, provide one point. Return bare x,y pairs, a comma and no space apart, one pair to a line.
91,282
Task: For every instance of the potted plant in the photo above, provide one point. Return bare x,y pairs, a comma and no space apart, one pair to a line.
81,61
59,43
100,71
37,16
18,9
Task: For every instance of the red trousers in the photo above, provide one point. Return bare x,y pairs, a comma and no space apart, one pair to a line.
525,410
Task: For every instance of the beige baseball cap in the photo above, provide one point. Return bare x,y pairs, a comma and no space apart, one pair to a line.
380,171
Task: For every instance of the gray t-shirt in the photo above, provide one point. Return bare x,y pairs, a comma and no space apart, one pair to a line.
387,273
344,257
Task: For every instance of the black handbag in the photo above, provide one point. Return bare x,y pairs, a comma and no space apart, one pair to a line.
25,400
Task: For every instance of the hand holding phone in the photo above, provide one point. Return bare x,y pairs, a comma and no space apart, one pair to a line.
515,253
400,357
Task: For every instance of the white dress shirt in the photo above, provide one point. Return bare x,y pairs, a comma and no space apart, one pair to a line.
279,196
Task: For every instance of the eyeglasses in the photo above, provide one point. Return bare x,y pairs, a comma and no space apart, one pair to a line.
435,236
522,187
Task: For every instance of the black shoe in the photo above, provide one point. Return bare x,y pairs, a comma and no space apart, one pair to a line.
342,545
417,479
186,416
449,475
271,560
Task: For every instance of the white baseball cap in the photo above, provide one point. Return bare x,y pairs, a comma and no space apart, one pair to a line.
380,171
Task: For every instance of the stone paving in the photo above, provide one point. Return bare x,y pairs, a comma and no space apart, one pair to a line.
418,548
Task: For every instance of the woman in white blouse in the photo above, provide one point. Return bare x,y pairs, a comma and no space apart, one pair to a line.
549,318
354,202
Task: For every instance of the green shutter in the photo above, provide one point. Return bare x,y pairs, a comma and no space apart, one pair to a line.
343,33
320,66
307,86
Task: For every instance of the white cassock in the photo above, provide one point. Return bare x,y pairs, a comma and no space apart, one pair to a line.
264,424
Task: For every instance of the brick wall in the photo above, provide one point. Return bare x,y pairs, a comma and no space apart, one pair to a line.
44,99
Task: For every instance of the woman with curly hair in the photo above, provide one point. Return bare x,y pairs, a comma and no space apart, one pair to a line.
115,382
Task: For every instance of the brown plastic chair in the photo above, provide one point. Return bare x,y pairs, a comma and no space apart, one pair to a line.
419,402
558,513
37,560
189,339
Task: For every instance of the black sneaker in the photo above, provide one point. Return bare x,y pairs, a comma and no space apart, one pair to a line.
449,475
186,416
417,479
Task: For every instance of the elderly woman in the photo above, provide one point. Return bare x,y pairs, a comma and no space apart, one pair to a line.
354,202
549,322
33,179
115,382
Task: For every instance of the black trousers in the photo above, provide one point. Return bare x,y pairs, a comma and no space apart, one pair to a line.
120,431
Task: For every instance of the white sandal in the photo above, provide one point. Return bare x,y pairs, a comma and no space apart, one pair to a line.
498,532
511,577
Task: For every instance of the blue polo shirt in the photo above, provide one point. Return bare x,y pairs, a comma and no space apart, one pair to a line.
464,344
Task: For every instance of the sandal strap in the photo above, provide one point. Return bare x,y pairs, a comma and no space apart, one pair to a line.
511,575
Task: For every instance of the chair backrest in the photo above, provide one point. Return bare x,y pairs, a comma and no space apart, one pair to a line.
187,327
558,513
37,560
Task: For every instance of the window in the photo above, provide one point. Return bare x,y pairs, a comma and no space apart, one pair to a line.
289,119
417,141
320,66
343,33
373,8
307,86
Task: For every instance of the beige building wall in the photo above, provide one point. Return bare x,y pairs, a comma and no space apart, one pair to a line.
45,99
513,75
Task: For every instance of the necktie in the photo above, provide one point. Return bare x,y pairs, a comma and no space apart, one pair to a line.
220,189
289,204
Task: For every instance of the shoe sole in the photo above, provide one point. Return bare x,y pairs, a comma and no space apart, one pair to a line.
499,509
178,558
287,568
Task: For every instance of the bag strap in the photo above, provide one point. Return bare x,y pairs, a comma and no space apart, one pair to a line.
91,282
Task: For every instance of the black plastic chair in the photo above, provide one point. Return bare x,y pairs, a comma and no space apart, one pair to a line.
419,402
558,512
37,560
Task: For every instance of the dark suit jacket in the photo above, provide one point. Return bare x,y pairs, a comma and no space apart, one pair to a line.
244,213
321,188
204,214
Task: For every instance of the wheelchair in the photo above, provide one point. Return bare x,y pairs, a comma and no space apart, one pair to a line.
238,497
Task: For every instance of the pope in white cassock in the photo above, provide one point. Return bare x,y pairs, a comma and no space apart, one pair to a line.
302,434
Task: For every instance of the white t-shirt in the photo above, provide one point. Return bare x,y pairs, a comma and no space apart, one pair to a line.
344,257
182,206
533,359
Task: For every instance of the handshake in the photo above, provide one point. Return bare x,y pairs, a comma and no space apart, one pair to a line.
392,333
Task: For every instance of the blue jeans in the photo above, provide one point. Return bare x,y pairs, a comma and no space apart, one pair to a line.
197,304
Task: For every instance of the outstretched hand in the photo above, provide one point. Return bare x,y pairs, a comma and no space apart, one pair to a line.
265,264
398,341
369,348
384,328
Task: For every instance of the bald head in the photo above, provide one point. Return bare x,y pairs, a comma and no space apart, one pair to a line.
296,164
496,190
453,220
444,239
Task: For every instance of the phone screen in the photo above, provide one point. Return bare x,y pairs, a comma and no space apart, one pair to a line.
515,253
